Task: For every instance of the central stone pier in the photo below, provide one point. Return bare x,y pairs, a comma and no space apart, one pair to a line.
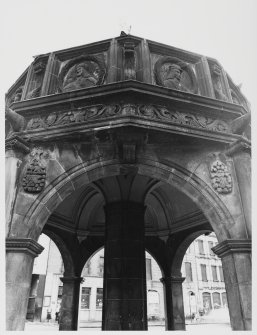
124,272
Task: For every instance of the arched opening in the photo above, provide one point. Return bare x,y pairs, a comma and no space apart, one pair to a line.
171,203
46,287
204,286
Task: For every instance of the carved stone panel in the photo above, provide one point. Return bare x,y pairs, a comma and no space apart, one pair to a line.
153,112
37,80
35,175
173,73
216,74
81,72
220,177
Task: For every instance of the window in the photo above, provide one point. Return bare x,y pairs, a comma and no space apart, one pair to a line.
211,245
60,289
203,272
101,266
207,301
214,273
224,299
221,273
188,268
216,300
99,298
87,270
148,269
85,297
200,247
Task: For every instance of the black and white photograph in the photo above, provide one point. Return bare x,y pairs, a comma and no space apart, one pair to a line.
128,129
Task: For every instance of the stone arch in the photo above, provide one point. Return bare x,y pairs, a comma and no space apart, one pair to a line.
168,172
156,260
180,252
64,251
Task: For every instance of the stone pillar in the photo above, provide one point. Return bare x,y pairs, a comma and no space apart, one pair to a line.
174,305
236,262
70,303
15,149
240,151
124,304
20,254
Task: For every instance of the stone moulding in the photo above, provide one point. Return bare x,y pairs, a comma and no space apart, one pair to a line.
233,246
151,112
23,245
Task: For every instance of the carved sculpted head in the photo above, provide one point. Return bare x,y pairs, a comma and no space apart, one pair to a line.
173,73
216,70
82,72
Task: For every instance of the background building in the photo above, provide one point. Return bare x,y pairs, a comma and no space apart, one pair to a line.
203,288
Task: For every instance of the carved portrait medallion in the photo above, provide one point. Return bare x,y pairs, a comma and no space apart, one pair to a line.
81,72
173,73
220,177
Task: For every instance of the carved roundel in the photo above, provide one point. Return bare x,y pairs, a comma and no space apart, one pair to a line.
81,72
173,73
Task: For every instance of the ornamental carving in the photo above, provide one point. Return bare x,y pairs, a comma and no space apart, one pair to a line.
217,83
221,178
173,73
153,112
81,72
35,175
17,95
36,83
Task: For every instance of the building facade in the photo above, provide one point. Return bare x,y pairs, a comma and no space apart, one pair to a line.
203,287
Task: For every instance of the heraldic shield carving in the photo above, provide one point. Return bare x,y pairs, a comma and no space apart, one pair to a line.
221,177
35,176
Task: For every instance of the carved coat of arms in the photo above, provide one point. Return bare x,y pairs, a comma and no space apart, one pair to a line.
35,176
220,177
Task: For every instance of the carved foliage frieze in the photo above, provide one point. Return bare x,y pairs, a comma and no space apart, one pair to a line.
35,175
153,112
221,177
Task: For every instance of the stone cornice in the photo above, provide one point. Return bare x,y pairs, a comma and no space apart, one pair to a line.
23,245
238,146
185,99
16,143
232,246
72,280
172,280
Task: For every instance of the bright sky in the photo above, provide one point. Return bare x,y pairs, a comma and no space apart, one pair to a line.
222,29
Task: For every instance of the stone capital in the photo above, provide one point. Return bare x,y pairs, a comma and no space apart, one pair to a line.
232,246
172,280
23,245
241,145
16,143
72,280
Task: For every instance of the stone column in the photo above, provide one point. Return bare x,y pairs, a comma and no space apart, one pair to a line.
15,149
236,261
20,254
174,305
70,303
124,305
240,151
